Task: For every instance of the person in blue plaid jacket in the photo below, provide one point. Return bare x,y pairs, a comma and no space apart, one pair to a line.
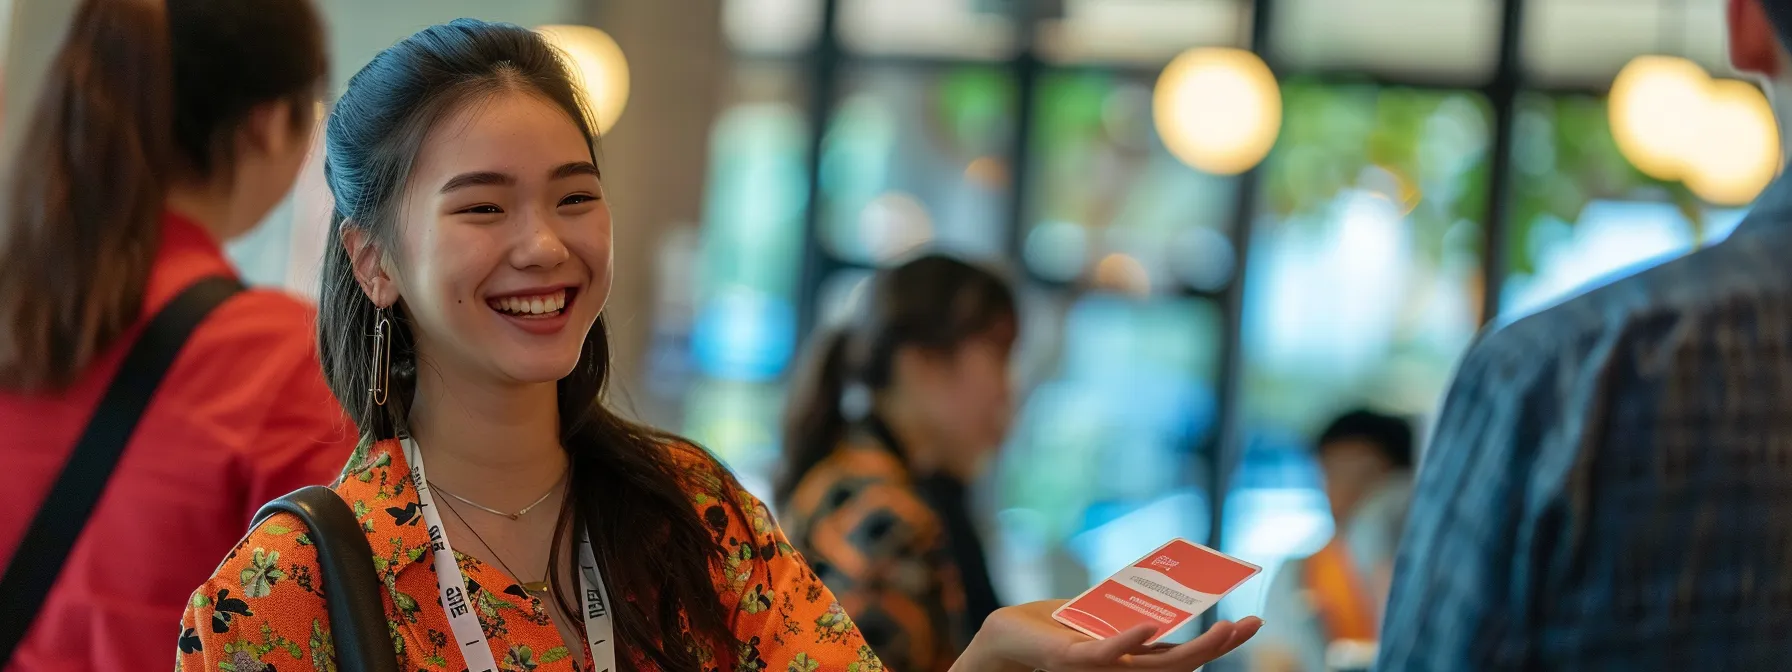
1610,483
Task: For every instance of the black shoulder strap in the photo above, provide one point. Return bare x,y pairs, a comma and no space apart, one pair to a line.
59,521
352,590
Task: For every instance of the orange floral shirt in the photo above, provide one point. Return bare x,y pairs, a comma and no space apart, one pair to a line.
878,545
262,609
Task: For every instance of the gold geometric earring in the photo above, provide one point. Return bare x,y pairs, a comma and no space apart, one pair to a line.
382,356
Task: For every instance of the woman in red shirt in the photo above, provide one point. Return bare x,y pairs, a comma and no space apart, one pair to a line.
165,128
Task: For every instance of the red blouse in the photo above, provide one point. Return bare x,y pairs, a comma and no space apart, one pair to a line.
242,417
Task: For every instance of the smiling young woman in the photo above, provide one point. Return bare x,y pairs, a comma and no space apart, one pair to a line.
473,245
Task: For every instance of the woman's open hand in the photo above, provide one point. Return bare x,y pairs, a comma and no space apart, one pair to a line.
1025,637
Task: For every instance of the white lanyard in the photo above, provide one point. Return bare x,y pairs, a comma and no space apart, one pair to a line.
463,618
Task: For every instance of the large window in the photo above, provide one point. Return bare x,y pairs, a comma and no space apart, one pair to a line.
1109,205
1361,244
726,325
1366,251
1582,216
1123,242
917,156
1364,286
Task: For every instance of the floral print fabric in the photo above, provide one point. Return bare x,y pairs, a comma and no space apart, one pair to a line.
263,609
881,549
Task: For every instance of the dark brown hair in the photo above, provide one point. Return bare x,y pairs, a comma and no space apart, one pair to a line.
1390,435
626,490
934,302
142,91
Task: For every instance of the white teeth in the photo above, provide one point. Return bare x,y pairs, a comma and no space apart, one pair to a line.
531,305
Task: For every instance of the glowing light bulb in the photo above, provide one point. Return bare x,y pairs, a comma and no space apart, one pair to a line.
1218,109
1655,107
1674,122
1740,151
598,65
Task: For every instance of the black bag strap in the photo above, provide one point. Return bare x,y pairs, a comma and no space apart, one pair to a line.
351,589
44,549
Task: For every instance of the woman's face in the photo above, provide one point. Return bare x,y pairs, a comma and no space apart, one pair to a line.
504,242
965,396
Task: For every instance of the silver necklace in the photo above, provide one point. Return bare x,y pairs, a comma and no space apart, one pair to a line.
513,516
535,587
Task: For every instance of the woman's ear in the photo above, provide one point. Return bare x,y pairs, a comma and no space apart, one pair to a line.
368,259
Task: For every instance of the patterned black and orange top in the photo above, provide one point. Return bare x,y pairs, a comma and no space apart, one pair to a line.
869,530
262,610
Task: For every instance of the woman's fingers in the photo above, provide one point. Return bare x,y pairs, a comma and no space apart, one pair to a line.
1242,632
1191,654
1107,652
1245,630
1128,650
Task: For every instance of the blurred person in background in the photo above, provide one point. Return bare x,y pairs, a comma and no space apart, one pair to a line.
1610,484
897,412
1323,611
165,128
460,322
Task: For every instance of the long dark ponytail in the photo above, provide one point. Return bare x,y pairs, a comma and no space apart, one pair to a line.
621,469
934,302
141,92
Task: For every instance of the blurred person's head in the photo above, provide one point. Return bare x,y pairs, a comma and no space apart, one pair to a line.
926,353
469,226
203,107
1358,451
1759,32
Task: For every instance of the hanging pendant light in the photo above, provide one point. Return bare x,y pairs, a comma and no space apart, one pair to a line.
599,67
1218,109
1675,122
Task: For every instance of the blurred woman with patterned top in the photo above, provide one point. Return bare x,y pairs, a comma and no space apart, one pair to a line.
899,409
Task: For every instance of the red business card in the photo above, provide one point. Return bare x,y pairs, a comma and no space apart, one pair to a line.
1166,589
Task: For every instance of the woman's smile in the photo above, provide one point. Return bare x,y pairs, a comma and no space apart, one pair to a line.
540,310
